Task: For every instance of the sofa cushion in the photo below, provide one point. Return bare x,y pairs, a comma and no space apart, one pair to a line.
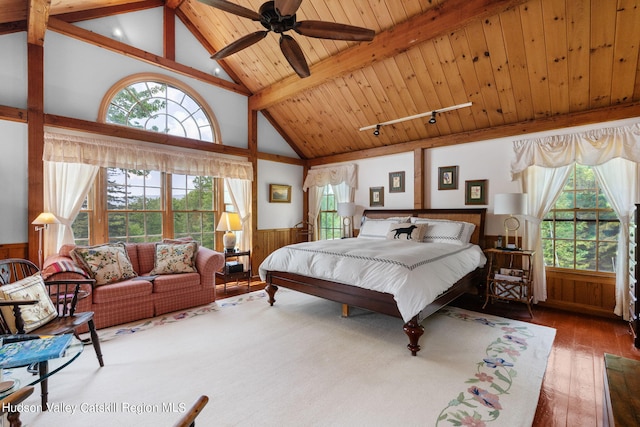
126,290
176,282
146,257
107,263
34,316
175,258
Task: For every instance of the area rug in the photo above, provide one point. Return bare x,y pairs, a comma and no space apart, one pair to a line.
300,363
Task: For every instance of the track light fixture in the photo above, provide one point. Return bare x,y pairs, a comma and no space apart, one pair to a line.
432,120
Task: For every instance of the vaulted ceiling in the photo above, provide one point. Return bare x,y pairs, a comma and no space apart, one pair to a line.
520,63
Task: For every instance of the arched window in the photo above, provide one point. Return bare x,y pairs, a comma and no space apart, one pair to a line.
159,103
148,205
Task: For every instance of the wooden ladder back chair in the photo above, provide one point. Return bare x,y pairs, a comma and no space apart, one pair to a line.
189,417
10,403
64,297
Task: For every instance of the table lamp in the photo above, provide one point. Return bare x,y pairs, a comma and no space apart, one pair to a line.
229,222
346,211
42,222
510,204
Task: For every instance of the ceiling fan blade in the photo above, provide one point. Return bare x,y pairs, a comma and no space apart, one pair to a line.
240,44
292,51
334,31
233,8
287,7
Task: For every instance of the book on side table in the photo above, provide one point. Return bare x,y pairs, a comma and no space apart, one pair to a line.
24,353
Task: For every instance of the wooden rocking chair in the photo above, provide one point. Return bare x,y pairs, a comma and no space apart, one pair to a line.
64,296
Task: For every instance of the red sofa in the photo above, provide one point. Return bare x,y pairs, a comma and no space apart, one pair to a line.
137,298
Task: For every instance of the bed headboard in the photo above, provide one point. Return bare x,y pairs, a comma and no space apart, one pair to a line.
474,215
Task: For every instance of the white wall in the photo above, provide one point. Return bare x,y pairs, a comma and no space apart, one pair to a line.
279,215
14,179
13,70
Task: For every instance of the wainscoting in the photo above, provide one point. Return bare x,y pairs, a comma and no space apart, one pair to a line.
267,241
14,250
588,293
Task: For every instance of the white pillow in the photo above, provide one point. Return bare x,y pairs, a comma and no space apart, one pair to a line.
378,228
467,227
407,231
34,316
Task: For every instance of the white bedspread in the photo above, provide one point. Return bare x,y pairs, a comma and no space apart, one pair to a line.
414,273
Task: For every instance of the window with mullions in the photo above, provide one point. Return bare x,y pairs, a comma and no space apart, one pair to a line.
329,225
581,231
145,206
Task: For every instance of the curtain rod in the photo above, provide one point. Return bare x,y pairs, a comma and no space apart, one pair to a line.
416,116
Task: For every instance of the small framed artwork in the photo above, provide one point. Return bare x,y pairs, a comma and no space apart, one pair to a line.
279,193
476,192
396,182
448,178
376,196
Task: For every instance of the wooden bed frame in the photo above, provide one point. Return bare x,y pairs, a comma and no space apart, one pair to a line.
383,302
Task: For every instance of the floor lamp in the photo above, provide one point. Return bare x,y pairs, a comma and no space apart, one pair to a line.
42,223
346,211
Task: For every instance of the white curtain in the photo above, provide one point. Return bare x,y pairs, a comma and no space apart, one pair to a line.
542,186
618,179
334,175
592,148
315,200
65,187
143,156
342,178
240,192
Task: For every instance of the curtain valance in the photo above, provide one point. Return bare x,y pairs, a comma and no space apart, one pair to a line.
334,175
591,148
142,156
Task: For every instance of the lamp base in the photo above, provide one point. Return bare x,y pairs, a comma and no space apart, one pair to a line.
229,241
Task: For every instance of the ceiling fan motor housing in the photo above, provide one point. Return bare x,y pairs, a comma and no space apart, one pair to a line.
272,20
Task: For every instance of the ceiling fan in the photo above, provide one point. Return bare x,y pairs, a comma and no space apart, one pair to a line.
279,16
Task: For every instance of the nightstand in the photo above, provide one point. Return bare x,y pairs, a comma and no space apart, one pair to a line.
508,280
228,274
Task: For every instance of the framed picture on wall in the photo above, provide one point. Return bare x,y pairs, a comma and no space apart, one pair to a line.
376,196
476,192
279,193
396,182
448,178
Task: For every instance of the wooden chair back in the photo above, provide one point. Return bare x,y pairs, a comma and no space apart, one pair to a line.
188,419
14,269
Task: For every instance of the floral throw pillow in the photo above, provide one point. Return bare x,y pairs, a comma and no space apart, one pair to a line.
34,316
175,258
105,263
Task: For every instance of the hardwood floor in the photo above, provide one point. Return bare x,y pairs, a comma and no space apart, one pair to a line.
572,389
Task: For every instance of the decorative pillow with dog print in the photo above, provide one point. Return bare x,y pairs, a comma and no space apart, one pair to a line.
407,231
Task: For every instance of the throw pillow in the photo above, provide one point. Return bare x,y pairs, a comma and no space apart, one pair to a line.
34,316
106,264
407,231
175,258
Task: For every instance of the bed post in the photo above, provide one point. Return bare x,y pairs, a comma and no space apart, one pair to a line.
414,331
271,290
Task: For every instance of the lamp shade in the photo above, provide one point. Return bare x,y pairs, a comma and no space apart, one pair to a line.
229,221
45,218
346,209
510,204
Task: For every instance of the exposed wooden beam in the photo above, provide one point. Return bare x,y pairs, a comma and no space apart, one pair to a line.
101,12
37,17
13,27
281,159
141,55
601,115
13,114
169,33
140,135
446,17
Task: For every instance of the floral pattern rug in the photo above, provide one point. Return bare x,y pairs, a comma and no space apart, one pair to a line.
492,376
142,325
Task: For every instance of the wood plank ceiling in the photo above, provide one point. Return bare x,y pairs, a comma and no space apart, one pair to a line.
518,62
